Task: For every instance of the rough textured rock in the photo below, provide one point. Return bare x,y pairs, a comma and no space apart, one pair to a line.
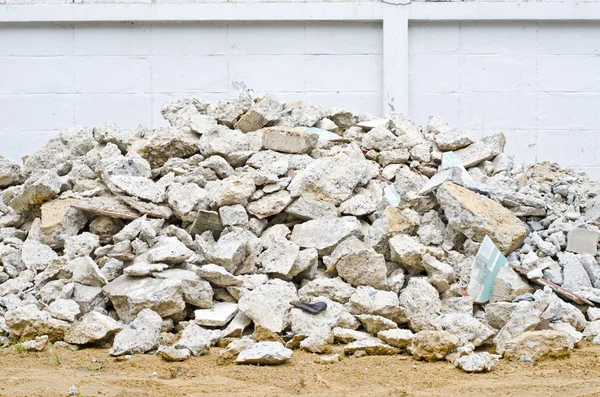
197,339
92,328
130,295
265,353
422,304
477,362
140,336
476,216
432,345
372,347
27,322
537,345
269,305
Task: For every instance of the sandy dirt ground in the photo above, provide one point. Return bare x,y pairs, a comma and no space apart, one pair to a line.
97,374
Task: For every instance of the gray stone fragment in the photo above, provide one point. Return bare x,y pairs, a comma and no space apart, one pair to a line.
172,354
422,304
432,345
508,285
477,362
141,269
140,336
169,250
70,143
218,316
363,267
197,339
583,241
38,344
447,137
86,272
375,324
10,173
538,345
465,327
289,140
485,149
64,309
268,305
372,347
81,245
477,216
267,109
130,295
333,288
397,337
92,328
306,207
27,322
574,275
234,215
265,353
218,275
36,255
325,234
368,300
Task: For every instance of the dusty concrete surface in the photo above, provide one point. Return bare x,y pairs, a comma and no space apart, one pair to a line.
39,374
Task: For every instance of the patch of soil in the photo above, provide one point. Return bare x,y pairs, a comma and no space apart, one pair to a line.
96,374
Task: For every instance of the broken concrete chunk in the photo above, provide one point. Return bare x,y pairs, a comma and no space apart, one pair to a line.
140,336
289,140
27,322
485,149
172,354
325,234
268,305
397,337
583,241
432,345
267,109
363,267
64,309
37,256
368,300
36,191
537,345
265,353
270,204
70,143
372,347
422,304
508,285
10,173
446,137
477,362
477,216
93,327
197,339
574,275
165,143
218,316
130,295
169,250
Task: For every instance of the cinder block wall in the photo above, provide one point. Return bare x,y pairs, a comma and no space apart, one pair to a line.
53,76
539,83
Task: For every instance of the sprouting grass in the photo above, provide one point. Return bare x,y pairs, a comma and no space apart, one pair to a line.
20,347
53,353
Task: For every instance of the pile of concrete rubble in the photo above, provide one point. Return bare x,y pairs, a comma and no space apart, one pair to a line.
262,228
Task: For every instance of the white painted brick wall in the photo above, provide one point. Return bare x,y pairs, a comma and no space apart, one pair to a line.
54,76
539,83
